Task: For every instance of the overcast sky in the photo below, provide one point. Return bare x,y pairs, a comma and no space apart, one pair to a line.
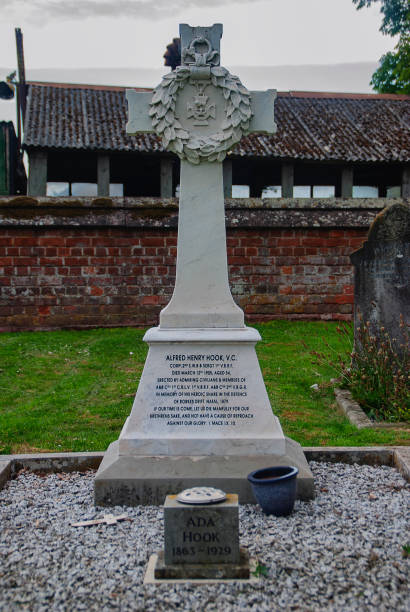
127,33
65,39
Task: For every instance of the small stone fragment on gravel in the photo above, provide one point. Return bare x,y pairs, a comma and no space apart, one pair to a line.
341,551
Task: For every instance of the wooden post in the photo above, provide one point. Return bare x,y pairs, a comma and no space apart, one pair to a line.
4,157
405,182
22,87
37,176
287,179
227,178
382,191
255,190
347,182
103,175
166,178
18,110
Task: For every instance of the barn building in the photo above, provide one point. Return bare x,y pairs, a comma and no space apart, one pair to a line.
327,145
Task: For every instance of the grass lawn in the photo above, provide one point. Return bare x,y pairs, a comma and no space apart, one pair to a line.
72,390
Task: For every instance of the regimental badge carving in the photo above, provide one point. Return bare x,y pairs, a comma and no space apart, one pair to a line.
201,71
189,144
200,108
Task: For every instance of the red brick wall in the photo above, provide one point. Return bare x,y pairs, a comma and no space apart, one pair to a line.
293,274
78,277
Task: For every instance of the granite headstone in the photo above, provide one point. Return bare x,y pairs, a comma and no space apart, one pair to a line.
201,541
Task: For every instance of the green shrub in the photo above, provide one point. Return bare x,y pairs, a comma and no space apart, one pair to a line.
375,370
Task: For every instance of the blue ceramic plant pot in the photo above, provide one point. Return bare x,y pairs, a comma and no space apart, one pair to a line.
275,489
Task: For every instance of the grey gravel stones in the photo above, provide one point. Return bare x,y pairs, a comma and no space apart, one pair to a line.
341,551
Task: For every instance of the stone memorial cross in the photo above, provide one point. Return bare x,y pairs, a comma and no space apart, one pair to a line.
201,111
201,415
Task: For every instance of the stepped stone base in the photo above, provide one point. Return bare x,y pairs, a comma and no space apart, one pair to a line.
222,571
146,480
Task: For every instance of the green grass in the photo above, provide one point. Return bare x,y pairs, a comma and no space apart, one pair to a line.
308,416
72,390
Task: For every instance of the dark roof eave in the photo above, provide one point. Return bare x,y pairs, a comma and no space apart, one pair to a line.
333,160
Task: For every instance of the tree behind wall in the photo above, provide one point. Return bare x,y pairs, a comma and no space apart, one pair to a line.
393,74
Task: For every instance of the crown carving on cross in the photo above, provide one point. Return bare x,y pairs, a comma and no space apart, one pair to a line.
200,53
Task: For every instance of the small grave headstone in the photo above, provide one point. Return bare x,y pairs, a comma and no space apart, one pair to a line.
382,274
201,541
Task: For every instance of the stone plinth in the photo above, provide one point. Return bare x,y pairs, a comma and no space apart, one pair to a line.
201,533
201,393
132,481
203,571
201,417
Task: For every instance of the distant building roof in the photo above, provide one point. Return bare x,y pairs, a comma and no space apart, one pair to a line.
311,126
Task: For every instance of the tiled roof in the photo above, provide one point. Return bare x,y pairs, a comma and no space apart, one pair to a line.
311,126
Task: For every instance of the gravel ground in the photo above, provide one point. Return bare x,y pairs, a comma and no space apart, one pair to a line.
342,551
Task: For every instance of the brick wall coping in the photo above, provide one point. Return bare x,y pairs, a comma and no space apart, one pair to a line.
162,213
148,202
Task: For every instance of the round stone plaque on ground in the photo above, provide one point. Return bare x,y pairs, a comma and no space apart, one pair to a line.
201,495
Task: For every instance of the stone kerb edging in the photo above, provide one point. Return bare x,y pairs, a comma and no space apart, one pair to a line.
358,417
398,457
5,471
10,465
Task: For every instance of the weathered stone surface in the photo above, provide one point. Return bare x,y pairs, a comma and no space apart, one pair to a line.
362,455
223,571
138,104
382,275
162,213
402,461
358,417
352,409
201,392
135,480
206,534
5,471
393,223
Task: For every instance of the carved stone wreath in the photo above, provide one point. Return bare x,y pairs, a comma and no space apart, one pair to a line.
191,146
